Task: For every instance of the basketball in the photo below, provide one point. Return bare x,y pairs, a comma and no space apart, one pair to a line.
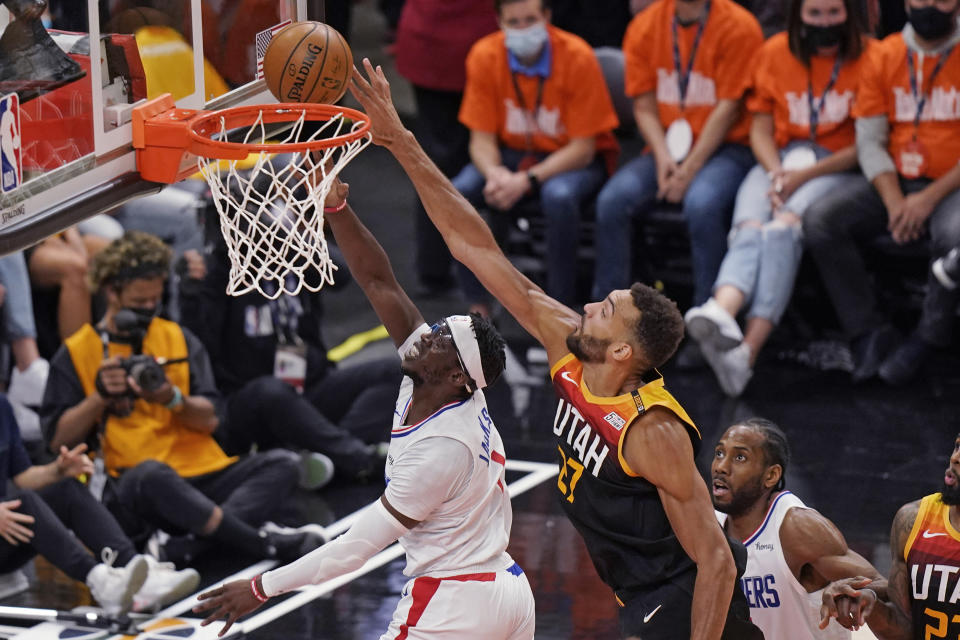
308,62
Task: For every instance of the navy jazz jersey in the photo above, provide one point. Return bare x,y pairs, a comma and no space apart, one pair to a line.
618,513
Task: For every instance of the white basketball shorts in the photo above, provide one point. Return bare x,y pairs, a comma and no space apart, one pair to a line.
481,606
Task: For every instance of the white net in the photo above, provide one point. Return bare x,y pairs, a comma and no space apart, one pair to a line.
271,205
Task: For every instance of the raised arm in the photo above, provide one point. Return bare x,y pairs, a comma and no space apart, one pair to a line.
370,267
658,448
466,234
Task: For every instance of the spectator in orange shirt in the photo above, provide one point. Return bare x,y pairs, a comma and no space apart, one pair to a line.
686,63
908,143
540,121
802,133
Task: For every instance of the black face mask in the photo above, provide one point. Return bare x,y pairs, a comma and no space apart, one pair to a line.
819,37
930,23
135,319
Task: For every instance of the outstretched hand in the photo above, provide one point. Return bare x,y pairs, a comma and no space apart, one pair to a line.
232,600
373,93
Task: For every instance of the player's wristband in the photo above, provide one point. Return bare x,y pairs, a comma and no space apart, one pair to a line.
176,401
335,209
256,592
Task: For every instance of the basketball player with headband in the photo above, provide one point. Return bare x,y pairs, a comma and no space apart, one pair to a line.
627,477
446,499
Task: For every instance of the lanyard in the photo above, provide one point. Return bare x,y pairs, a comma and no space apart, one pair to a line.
531,116
817,108
683,77
920,96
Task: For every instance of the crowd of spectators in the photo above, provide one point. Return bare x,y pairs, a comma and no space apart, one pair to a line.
770,129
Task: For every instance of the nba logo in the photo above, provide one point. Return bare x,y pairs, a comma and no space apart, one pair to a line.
11,170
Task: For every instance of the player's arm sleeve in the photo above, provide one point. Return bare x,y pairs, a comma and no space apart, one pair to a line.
414,491
373,531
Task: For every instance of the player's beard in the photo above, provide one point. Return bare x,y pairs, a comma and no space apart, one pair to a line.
950,495
587,348
413,375
742,499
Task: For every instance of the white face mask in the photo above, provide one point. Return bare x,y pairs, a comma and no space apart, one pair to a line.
527,42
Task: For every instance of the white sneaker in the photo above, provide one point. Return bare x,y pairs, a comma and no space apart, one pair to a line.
712,324
27,421
164,585
27,386
732,369
13,583
113,588
316,470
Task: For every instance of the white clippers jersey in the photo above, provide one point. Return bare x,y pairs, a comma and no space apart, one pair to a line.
779,604
470,530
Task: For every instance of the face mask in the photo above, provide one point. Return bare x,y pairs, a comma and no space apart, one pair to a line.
135,319
819,37
526,43
930,23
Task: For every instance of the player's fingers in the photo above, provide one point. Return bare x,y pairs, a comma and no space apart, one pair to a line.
212,593
229,623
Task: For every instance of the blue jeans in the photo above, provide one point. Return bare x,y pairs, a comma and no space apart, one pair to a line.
707,205
18,305
561,199
764,253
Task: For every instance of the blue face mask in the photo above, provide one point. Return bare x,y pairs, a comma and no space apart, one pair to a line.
526,43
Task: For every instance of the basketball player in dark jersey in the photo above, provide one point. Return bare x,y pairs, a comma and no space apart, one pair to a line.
924,583
626,448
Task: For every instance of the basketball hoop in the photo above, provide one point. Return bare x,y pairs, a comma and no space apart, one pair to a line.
269,168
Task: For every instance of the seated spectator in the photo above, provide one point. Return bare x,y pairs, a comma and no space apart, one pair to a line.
923,571
61,261
154,432
793,552
51,514
802,134
908,143
540,121
29,375
425,27
278,387
685,68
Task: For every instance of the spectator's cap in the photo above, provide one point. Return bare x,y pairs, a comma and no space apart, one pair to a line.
468,349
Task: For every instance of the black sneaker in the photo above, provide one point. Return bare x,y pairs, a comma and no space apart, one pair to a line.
870,350
905,363
288,544
947,269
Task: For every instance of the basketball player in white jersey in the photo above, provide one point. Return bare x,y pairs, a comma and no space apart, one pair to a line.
793,552
446,500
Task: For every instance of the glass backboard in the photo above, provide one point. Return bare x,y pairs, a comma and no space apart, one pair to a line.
71,72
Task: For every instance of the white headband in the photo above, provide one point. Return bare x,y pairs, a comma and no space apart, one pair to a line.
465,341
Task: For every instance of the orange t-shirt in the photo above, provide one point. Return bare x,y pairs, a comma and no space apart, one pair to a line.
885,90
575,102
730,41
780,86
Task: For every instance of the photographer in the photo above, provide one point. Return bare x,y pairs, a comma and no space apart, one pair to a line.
165,469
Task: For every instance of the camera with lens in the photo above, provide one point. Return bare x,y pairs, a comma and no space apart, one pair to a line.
145,371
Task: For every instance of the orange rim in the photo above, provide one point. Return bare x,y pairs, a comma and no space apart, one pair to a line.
209,123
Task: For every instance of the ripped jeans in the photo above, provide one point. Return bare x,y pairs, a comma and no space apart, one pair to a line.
763,252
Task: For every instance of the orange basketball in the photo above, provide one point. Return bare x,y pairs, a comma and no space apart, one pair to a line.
308,62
